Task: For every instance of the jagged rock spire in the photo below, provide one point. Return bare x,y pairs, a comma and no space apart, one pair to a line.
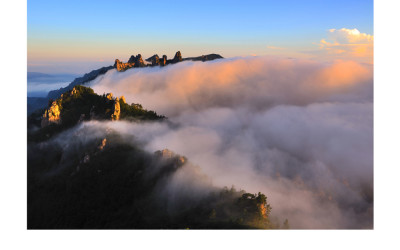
177,57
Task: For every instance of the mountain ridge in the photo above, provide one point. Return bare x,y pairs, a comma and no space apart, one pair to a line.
133,62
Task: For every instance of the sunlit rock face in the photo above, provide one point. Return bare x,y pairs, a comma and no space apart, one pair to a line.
109,96
263,210
51,115
120,66
163,61
116,110
102,144
122,98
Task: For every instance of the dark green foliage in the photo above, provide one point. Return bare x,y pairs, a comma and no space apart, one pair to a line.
226,209
137,112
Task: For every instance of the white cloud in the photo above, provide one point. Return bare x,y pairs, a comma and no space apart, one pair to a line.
349,36
349,44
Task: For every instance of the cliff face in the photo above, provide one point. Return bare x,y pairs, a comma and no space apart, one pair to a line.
116,110
51,115
120,66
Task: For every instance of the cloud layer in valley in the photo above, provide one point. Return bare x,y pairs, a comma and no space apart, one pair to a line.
299,131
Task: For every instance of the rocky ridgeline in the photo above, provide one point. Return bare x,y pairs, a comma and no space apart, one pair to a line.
155,60
54,94
133,62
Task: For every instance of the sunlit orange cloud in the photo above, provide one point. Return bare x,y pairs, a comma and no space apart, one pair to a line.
343,73
348,44
261,80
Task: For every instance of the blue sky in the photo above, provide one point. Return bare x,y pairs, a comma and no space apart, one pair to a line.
96,32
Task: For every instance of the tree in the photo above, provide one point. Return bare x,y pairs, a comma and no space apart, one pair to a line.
286,224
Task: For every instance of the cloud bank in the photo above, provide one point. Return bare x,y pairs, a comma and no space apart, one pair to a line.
299,131
348,43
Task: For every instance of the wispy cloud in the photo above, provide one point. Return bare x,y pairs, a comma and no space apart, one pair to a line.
274,47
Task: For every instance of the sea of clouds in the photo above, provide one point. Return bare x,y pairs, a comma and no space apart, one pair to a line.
299,131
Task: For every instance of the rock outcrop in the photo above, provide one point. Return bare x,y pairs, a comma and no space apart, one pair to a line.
167,154
116,111
137,61
133,62
154,60
120,66
163,61
51,115
177,57
116,108
122,99
102,144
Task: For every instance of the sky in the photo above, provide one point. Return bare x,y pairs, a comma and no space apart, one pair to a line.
78,36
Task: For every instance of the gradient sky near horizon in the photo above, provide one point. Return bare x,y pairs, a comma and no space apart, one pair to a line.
78,36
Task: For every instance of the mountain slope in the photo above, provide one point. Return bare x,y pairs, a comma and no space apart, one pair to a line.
85,176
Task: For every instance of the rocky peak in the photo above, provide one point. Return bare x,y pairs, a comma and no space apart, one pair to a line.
132,59
51,115
109,96
120,66
116,108
122,98
154,60
163,61
177,57
133,62
136,61
116,111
